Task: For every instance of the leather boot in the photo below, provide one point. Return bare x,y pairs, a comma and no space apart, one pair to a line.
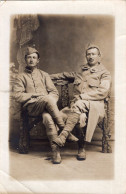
81,154
81,143
56,158
70,124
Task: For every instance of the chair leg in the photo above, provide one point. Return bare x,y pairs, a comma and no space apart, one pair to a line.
24,135
106,148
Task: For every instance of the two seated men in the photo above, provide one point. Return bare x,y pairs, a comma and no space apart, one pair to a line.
36,91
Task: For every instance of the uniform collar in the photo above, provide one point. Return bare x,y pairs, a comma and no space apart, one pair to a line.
94,69
28,70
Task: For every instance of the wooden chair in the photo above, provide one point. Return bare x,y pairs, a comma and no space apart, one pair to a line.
27,122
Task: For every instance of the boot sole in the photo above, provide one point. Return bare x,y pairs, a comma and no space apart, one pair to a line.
56,162
80,159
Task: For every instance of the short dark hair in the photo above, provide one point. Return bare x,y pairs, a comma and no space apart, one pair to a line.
93,48
36,53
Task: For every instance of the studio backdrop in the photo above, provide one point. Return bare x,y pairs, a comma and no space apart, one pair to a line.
61,41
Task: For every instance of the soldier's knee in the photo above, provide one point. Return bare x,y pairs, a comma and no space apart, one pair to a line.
50,100
46,117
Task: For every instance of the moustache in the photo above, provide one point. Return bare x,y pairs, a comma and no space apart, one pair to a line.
91,60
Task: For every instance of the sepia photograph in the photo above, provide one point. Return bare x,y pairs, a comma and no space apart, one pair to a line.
60,98
55,59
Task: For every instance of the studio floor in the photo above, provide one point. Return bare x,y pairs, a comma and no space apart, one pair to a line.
34,173
37,164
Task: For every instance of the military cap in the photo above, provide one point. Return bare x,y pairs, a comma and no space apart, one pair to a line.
31,50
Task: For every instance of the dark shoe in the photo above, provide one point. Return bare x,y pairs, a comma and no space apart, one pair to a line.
72,138
56,158
81,154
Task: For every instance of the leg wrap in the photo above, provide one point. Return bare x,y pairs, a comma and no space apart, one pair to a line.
70,124
56,158
51,128
52,108
52,134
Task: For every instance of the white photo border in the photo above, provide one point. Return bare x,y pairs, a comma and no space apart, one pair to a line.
114,8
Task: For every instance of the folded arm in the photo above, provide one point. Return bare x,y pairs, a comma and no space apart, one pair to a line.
64,75
100,92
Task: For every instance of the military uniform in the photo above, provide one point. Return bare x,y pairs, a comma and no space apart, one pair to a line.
91,87
35,90
30,82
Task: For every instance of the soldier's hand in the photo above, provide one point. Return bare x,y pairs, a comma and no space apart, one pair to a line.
35,95
77,97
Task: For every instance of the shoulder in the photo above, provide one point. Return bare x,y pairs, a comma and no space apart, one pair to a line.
103,68
21,75
43,73
105,74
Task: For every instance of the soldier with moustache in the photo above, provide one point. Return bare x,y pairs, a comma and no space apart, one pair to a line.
91,87
35,90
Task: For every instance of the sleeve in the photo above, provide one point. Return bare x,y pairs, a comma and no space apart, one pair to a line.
100,92
64,75
51,88
19,90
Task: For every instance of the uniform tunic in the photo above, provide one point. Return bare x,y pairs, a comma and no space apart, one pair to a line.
91,86
33,82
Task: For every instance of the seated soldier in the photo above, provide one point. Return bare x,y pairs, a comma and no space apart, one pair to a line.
37,93
91,87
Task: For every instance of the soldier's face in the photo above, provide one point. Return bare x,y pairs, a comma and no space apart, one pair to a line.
32,60
92,56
